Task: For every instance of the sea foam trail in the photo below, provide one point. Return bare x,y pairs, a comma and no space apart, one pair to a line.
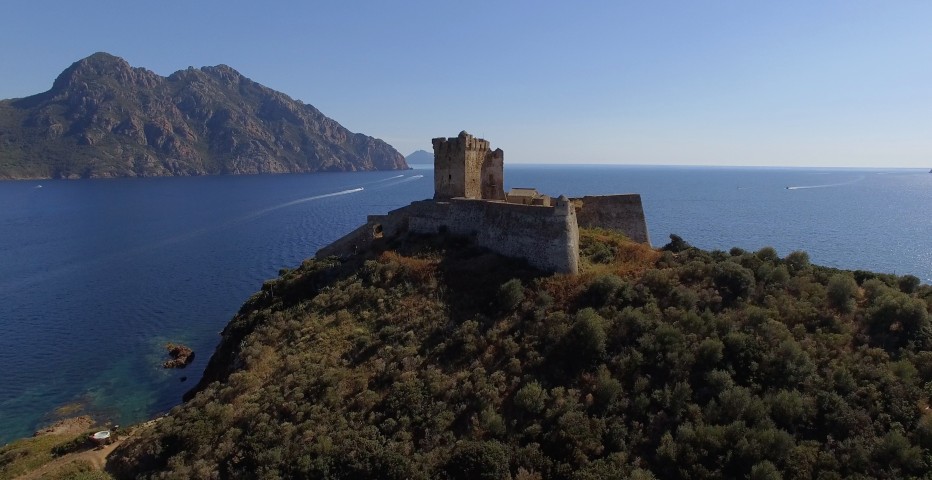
800,187
399,182
295,202
387,179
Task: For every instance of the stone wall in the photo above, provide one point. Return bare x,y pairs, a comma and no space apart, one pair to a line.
352,242
615,212
547,237
493,175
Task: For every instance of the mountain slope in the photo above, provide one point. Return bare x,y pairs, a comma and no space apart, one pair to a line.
427,358
103,118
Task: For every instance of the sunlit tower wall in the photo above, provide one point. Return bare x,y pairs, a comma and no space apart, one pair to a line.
464,167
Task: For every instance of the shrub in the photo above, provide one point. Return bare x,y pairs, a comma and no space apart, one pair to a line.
478,460
768,254
677,244
733,281
510,295
765,471
709,352
531,398
840,292
588,337
898,317
603,289
908,283
797,261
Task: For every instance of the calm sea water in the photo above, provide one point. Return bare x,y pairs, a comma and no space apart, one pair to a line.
97,275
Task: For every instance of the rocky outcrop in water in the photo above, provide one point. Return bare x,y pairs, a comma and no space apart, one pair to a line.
104,118
181,356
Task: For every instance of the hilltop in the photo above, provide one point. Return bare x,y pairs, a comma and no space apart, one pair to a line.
104,118
426,357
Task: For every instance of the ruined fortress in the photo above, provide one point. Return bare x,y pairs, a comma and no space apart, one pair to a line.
470,201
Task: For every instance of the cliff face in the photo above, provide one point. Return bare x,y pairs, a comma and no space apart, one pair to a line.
103,118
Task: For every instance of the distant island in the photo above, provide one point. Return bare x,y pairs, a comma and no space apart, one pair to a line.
420,157
103,118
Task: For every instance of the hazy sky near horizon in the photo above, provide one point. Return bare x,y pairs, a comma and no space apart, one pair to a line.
794,83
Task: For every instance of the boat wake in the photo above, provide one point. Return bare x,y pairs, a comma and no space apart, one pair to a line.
254,215
387,179
828,185
399,182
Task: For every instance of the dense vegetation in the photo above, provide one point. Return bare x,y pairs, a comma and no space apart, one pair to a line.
431,359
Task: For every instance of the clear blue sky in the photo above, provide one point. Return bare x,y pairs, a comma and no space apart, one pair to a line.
817,83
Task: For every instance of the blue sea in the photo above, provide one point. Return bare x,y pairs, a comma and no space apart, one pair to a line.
96,276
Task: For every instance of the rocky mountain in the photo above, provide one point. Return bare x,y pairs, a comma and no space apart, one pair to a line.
420,157
104,118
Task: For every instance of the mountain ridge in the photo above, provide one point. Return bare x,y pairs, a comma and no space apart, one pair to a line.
104,118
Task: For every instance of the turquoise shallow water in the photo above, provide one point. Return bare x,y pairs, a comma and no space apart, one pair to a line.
97,275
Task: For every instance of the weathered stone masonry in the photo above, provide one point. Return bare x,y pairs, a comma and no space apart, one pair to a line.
465,167
468,202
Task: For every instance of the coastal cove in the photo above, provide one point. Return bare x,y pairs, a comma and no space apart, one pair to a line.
100,274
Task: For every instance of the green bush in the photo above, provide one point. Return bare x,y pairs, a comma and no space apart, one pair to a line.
510,295
603,289
587,338
909,283
797,261
733,281
840,292
677,244
531,398
478,460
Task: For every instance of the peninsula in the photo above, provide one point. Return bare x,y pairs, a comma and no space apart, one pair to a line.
427,352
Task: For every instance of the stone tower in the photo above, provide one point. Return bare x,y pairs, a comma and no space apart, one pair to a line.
465,167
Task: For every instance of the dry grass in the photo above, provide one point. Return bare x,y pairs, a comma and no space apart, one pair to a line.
631,259
416,268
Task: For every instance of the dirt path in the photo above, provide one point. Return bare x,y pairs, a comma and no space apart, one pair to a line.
97,457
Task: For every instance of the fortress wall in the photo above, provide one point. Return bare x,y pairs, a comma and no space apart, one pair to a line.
350,243
376,226
616,212
547,240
